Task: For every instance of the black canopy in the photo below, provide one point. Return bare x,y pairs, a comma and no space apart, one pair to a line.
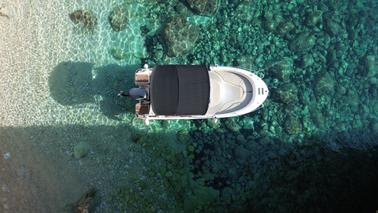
180,89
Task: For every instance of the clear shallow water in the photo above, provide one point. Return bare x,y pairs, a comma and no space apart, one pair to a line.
314,140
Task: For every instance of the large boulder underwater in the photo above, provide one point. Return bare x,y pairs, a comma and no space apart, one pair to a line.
85,18
81,150
180,36
204,7
118,18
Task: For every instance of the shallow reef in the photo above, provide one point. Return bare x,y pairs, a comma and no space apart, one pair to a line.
313,146
204,172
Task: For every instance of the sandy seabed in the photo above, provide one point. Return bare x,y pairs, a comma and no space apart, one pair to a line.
36,36
34,39
31,42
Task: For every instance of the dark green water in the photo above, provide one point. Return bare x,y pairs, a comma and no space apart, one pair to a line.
313,147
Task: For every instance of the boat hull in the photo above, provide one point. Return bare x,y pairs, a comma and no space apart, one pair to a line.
233,92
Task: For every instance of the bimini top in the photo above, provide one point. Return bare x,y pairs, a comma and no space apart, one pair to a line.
180,89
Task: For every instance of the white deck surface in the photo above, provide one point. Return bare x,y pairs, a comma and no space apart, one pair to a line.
228,92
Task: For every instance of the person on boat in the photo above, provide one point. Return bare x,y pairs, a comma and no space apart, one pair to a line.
134,93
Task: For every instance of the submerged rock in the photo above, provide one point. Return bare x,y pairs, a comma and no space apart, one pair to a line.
314,17
286,27
7,156
283,69
85,18
199,20
249,13
204,7
318,118
325,85
81,150
180,36
247,123
287,94
271,23
241,154
333,27
374,108
86,203
372,68
183,10
118,18
118,53
302,43
352,100
293,125
201,196
375,126
307,60
232,124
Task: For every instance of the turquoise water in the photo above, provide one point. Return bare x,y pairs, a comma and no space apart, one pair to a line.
313,147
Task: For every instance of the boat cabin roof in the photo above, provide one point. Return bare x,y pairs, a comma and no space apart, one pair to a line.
180,89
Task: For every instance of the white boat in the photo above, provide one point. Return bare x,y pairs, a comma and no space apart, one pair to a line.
197,92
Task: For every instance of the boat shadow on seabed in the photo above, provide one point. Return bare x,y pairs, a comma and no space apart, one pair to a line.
38,173
75,83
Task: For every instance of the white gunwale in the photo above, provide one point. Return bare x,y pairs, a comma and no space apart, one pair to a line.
233,92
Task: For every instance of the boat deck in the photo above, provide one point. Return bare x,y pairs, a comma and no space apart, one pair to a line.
229,92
